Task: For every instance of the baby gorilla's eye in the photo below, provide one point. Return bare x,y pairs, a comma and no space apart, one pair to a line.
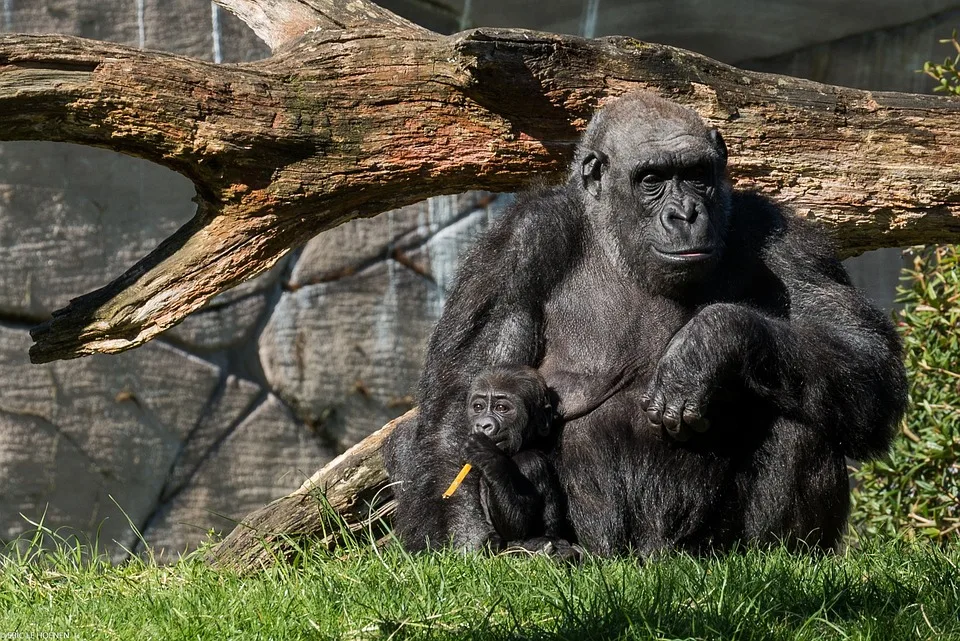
478,407
502,408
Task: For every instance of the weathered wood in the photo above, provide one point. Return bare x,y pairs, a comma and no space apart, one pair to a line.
367,112
349,493
281,22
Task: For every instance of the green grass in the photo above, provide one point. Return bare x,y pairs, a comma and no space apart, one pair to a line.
893,591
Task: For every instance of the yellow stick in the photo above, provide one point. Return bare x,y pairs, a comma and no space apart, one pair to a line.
457,481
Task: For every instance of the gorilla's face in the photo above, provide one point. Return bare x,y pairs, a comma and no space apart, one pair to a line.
657,187
499,413
510,405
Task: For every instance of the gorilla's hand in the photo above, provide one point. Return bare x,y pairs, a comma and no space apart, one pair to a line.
479,449
725,350
684,381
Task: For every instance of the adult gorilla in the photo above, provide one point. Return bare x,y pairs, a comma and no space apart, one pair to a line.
718,362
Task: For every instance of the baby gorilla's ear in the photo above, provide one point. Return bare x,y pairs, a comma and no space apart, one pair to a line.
541,416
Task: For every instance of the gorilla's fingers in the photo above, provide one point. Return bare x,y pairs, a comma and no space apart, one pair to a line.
655,413
692,417
680,434
645,401
672,419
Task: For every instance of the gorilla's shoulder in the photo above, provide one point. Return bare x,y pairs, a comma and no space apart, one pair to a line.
548,196
553,212
782,238
541,226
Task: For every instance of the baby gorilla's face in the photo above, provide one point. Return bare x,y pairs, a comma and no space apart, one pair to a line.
500,414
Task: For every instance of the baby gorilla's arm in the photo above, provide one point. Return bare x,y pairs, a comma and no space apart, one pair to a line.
512,499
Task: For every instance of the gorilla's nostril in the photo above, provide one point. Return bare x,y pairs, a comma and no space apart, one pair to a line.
685,214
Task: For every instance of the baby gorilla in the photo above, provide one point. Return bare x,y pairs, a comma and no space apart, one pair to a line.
508,409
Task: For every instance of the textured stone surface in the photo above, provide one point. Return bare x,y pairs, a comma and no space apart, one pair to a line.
252,394
113,20
359,243
267,454
77,436
218,327
362,303
188,27
230,319
441,16
882,60
74,218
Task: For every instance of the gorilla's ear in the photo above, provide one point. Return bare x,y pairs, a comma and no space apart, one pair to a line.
719,144
591,170
543,420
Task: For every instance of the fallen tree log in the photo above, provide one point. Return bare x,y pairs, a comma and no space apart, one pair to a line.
348,495
359,111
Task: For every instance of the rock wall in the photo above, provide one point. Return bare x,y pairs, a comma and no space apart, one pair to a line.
247,397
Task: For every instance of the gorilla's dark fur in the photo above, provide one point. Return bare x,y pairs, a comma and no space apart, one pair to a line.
741,366
508,411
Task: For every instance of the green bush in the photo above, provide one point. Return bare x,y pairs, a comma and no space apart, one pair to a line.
947,74
914,492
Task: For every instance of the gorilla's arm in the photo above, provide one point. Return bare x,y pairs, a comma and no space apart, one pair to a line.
493,315
517,489
494,312
832,361
575,394
846,353
535,467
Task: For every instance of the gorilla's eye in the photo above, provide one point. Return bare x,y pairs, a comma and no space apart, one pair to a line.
699,175
478,407
649,181
503,408
649,178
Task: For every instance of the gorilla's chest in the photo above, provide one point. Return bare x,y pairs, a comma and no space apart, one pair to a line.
597,321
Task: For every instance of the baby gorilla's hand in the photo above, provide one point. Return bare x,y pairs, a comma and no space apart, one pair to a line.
478,449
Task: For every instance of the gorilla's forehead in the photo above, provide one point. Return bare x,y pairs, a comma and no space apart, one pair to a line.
674,149
642,127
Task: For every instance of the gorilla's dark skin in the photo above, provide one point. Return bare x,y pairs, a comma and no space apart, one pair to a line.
508,410
743,365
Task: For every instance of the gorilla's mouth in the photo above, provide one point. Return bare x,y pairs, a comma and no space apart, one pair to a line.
686,255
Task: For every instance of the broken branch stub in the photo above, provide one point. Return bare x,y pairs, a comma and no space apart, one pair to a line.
281,22
366,112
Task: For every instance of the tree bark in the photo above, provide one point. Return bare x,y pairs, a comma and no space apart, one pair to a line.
359,111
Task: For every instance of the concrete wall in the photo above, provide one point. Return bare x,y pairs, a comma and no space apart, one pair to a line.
238,404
